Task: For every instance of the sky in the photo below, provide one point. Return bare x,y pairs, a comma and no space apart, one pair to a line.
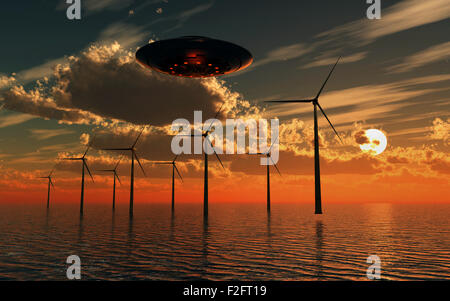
63,82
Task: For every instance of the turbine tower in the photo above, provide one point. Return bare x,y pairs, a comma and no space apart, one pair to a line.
132,149
174,169
205,135
267,154
115,175
315,102
49,177
84,166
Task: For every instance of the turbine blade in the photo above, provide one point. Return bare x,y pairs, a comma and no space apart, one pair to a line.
87,168
89,146
51,183
72,159
220,109
139,136
162,163
137,159
175,159
51,172
220,161
86,151
215,116
329,75
276,167
290,101
109,170
218,158
178,172
323,112
117,176
118,162
273,144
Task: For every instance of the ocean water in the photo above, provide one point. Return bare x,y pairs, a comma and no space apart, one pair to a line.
237,242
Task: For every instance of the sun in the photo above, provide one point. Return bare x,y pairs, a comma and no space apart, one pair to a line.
375,143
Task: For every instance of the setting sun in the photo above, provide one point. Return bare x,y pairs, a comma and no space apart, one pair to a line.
377,142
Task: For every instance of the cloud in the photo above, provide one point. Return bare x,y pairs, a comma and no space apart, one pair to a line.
404,15
127,35
361,138
39,72
43,134
34,102
396,18
331,60
58,147
366,102
441,130
283,53
430,55
14,119
6,81
93,87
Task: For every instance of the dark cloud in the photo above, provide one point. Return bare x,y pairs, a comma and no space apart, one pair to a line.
105,83
361,138
397,160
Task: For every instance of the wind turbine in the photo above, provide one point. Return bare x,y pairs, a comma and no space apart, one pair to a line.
84,166
267,154
315,102
49,177
115,175
205,135
132,149
174,168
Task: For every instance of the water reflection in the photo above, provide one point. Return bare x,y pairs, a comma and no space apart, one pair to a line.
319,248
378,228
269,248
113,224
80,234
205,243
130,236
47,218
172,226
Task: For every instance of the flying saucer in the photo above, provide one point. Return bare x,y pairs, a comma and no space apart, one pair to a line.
194,56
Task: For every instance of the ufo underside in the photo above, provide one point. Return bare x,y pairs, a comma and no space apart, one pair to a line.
194,57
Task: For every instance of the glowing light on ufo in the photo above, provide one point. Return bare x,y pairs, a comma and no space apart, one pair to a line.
376,142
